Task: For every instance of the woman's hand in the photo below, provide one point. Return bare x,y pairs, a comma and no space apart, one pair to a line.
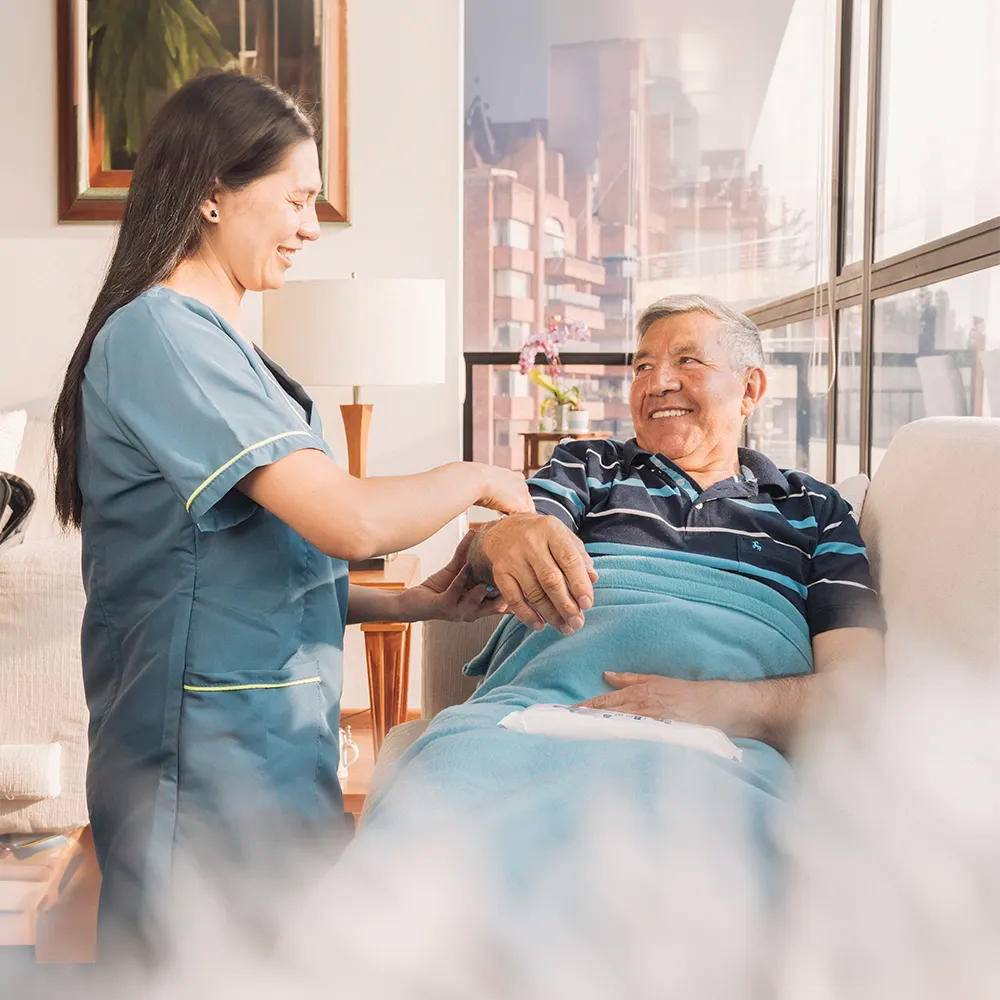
504,490
449,594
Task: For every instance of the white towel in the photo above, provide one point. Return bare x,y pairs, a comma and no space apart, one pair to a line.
576,723
30,770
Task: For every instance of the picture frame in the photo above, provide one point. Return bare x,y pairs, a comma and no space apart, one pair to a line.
92,189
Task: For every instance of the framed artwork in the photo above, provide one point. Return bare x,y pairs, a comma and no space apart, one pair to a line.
119,60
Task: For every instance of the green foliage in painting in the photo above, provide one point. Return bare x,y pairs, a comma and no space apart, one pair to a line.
141,50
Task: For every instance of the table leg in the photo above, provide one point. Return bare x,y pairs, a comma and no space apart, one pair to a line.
387,652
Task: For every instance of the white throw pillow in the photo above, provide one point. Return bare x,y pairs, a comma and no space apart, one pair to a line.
12,424
853,490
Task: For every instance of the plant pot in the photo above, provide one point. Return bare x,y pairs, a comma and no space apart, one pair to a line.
561,419
578,421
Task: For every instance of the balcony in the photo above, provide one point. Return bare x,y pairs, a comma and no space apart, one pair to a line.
571,313
514,259
572,296
521,310
558,269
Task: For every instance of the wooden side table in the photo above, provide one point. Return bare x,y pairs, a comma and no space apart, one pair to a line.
533,439
387,648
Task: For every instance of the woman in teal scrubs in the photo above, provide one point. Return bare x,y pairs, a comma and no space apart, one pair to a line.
215,523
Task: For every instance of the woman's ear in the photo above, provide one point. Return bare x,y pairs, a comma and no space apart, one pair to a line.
210,210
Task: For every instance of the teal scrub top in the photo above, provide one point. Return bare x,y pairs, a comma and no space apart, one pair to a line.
213,634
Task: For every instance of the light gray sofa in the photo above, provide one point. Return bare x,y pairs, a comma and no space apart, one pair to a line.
41,685
931,522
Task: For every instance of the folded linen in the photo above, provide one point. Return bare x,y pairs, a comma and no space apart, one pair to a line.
30,770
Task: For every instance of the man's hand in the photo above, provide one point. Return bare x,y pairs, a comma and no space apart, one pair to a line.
700,702
539,566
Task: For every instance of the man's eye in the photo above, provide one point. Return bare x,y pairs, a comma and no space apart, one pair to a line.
642,368
299,205
684,361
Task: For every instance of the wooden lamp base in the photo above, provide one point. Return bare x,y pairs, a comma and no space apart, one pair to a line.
357,420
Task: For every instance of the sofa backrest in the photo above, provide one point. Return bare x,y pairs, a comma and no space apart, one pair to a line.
931,523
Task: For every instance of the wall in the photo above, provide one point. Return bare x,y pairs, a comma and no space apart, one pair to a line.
405,92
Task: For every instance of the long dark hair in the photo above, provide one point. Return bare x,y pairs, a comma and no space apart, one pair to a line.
220,131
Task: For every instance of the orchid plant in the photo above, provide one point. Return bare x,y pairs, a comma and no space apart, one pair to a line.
556,333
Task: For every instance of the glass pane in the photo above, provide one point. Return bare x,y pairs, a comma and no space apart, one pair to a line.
939,143
618,153
789,426
849,394
857,125
507,405
937,353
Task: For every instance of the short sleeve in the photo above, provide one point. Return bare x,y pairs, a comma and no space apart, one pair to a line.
185,393
561,487
841,592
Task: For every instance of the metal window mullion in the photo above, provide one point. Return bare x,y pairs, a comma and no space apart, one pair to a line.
841,123
871,180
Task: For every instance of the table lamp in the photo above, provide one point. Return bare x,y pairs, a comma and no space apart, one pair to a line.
358,331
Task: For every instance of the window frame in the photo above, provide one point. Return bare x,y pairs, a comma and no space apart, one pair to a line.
858,283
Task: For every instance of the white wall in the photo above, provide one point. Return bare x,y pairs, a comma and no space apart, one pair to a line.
405,92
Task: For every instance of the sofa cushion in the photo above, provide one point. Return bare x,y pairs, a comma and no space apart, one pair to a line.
854,489
936,563
41,682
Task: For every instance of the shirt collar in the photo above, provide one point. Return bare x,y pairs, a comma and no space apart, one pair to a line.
766,473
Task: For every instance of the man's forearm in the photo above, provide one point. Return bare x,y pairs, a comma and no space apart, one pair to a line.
768,710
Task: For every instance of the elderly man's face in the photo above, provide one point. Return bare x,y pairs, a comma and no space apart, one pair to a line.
687,402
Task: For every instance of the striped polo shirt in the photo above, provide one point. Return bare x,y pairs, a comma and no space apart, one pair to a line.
783,528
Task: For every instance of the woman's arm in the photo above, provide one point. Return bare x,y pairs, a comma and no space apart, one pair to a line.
352,518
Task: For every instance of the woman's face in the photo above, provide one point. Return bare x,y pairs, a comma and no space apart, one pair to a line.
258,230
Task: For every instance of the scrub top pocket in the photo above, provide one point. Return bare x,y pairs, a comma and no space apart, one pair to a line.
253,747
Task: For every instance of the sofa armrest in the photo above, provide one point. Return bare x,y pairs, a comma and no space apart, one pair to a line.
41,683
447,647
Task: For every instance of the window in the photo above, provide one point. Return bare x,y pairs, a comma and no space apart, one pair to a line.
512,284
939,148
849,394
857,125
937,353
511,233
505,406
619,153
555,238
510,336
789,425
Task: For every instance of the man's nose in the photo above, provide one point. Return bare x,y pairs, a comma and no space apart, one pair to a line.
663,378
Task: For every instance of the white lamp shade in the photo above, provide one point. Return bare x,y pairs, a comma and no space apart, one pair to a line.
358,331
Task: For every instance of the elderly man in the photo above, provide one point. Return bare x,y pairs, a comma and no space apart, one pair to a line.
726,595
685,488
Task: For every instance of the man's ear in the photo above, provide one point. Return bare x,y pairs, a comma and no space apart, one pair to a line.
754,390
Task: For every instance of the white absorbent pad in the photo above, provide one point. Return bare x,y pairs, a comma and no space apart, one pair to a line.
30,770
573,722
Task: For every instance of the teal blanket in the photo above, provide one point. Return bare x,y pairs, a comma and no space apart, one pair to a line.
528,795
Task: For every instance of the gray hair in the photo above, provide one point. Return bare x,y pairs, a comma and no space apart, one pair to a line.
739,335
